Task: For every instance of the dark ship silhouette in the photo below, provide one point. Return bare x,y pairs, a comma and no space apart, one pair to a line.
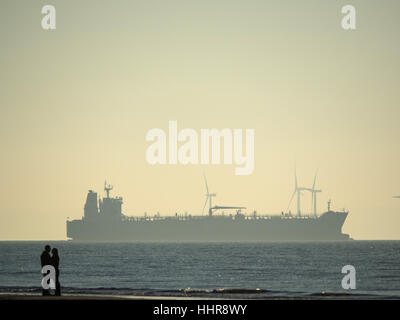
103,220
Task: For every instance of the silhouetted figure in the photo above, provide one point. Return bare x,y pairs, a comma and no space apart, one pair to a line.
45,260
55,262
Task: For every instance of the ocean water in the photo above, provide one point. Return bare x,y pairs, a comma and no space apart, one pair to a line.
220,270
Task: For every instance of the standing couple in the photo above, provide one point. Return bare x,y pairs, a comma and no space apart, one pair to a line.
52,260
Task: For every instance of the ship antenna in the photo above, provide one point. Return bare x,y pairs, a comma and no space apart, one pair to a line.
329,205
107,188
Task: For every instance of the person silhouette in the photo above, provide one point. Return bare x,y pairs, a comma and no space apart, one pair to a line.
45,260
55,262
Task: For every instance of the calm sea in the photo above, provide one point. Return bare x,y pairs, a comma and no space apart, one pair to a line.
231,270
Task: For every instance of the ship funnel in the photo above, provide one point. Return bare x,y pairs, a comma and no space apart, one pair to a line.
91,209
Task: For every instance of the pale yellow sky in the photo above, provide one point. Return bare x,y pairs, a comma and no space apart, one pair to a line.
77,102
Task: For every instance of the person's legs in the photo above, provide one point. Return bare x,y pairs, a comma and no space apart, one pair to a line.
58,288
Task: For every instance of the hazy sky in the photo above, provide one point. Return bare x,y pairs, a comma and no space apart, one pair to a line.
77,102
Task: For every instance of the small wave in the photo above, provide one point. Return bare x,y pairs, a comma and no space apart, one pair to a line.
330,294
225,291
356,295
28,290
140,291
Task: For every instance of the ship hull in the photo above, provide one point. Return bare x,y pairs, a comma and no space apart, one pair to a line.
327,227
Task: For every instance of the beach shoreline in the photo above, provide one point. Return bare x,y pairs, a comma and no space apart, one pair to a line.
84,297
104,297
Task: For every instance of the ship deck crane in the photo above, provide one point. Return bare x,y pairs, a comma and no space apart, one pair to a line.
224,207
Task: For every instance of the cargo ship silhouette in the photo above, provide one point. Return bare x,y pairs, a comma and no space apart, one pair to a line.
103,220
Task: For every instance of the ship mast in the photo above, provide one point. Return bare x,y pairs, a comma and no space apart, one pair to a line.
107,188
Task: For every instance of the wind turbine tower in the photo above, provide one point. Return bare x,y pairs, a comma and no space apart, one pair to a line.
314,195
209,197
297,190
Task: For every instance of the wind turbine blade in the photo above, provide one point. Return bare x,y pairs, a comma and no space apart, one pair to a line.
205,180
290,201
205,203
315,178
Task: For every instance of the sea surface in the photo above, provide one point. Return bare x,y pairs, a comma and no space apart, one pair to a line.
308,270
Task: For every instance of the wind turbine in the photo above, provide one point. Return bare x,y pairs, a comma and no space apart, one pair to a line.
208,198
297,190
314,194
